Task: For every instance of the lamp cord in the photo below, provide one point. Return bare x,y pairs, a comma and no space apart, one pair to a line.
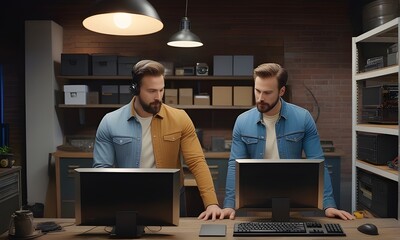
186,8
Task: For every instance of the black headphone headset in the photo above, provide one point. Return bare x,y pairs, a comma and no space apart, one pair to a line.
134,88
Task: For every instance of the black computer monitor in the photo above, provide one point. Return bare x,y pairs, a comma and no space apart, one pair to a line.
127,198
279,185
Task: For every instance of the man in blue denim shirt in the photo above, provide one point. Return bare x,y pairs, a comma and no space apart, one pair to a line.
275,130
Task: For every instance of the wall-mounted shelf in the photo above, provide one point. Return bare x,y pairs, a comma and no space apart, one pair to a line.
378,128
377,73
382,170
384,33
168,77
199,107
208,117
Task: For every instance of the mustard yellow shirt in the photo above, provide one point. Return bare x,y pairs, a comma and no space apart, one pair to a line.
118,144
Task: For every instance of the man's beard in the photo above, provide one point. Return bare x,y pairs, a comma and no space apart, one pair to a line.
153,107
264,107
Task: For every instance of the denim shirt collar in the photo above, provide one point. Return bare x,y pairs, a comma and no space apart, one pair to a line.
283,113
284,110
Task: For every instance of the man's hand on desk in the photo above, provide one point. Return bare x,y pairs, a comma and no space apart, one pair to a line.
329,212
333,212
228,213
212,212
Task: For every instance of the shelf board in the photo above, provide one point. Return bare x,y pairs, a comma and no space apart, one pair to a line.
175,106
91,106
380,34
377,73
95,77
207,78
380,170
168,77
209,107
378,128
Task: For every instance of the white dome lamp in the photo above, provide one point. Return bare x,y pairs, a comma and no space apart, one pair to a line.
123,18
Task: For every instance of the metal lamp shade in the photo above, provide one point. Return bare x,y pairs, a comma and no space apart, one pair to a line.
124,18
185,38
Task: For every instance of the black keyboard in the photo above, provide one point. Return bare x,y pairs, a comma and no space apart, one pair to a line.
287,229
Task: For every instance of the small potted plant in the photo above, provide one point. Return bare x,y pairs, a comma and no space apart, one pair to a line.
6,157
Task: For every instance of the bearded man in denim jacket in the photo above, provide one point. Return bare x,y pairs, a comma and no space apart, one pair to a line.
275,129
147,133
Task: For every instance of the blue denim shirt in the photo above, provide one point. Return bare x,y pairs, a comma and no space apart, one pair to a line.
116,136
295,131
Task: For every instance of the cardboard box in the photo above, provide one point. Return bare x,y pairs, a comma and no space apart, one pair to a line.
222,96
242,96
223,65
93,98
243,65
125,95
125,65
104,65
185,96
171,96
109,94
76,64
201,100
75,94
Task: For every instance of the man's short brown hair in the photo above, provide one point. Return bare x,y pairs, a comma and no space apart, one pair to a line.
272,70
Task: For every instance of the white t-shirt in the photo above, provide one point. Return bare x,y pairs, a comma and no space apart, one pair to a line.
271,146
147,155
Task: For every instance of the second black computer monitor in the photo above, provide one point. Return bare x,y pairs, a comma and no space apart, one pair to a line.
279,186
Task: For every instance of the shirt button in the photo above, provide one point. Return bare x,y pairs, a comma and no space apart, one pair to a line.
120,141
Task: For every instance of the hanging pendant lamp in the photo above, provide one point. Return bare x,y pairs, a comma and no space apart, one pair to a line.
185,38
123,18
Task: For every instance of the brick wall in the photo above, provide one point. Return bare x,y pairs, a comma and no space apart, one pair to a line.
312,39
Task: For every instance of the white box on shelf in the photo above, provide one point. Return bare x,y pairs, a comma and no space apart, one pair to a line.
75,94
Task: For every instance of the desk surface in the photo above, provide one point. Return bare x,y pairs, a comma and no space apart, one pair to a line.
189,228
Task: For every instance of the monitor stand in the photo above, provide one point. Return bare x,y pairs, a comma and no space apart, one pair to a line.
280,209
126,225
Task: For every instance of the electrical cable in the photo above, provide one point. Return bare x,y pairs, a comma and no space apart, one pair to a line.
316,102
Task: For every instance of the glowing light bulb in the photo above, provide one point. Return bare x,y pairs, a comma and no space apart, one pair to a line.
122,20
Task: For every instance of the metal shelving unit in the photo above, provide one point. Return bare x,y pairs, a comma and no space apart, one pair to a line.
387,33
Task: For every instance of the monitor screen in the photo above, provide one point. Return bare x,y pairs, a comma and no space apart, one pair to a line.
266,184
107,196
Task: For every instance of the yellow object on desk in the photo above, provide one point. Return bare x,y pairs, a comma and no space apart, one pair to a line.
358,214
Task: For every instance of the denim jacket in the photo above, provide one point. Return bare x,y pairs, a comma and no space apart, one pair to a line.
295,131
118,144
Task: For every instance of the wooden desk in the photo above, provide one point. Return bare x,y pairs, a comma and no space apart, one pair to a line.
189,228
